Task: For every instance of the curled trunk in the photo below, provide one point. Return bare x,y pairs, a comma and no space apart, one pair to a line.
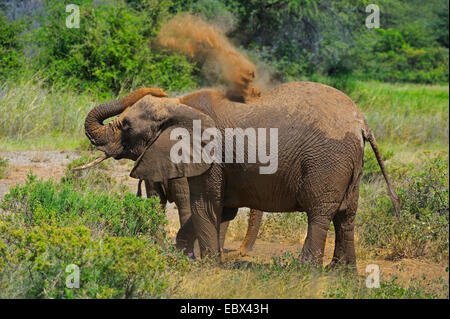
94,128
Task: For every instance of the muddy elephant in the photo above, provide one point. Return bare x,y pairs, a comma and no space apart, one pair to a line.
177,191
317,135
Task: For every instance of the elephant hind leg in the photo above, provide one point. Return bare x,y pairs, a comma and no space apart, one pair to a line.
344,247
254,222
319,219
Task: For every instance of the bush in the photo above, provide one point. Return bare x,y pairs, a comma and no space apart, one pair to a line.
117,241
11,55
426,191
33,264
393,59
422,229
45,202
111,51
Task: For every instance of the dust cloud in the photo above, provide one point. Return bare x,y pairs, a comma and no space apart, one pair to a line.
191,36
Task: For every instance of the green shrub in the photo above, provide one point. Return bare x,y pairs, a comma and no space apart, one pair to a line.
11,55
112,49
422,228
426,191
45,202
389,40
117,241
393,59
33,264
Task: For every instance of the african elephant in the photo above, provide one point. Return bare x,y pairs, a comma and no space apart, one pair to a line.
177,191
318,139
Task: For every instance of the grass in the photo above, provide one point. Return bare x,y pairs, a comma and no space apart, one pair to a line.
276,227
284,277
43,143
405,114
36,117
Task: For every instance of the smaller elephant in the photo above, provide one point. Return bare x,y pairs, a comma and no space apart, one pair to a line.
177,191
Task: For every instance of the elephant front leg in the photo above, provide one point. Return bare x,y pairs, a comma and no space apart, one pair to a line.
179,191
185,238
206,197
205,220
206,232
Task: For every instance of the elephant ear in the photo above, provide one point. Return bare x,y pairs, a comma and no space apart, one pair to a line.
155,163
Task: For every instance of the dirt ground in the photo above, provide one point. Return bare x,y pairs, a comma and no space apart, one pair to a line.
52,164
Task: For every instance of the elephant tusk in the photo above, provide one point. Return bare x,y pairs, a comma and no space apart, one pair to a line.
98,160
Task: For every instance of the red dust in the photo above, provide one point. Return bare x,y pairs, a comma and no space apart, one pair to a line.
193,37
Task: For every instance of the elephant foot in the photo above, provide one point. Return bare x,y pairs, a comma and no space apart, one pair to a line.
310,259
191,255
187,251
243,251
186,247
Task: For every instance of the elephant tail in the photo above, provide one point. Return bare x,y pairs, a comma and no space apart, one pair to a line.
368,136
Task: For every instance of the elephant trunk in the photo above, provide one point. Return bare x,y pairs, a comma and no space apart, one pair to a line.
94,128
93,125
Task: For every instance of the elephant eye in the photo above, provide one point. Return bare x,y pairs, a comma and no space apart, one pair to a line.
126,125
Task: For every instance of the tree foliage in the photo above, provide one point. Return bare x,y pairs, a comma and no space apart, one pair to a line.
10,48
114,48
